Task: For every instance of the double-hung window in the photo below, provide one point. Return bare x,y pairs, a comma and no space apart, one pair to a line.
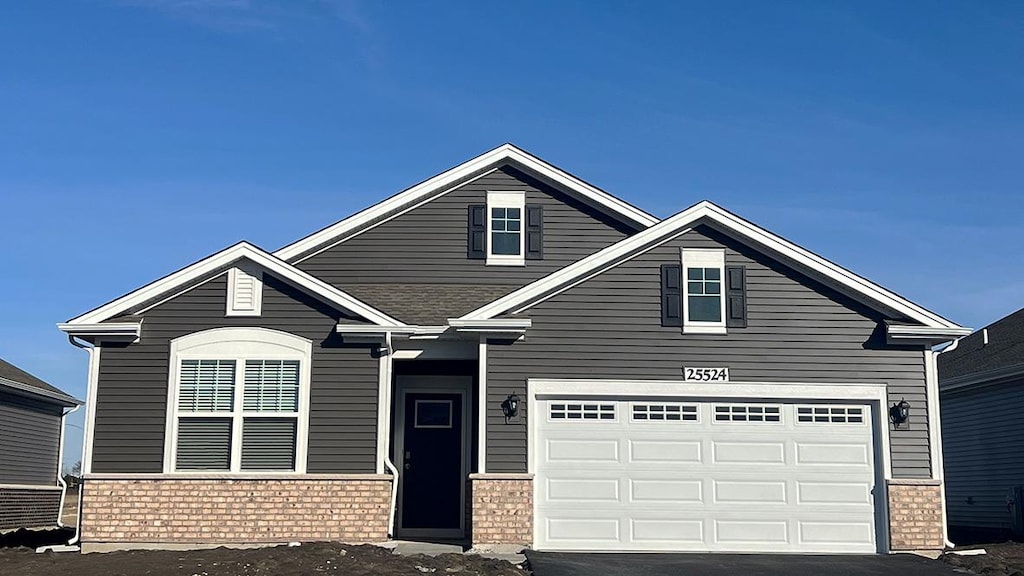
238,402
505,215
703,301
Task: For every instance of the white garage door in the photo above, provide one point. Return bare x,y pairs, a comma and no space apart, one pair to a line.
704,475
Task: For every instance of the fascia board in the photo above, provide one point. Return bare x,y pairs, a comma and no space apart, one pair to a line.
105,329
279,268
925,334
426,188
798,256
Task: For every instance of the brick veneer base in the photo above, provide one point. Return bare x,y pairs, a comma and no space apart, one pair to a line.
173,511
502,509
915,515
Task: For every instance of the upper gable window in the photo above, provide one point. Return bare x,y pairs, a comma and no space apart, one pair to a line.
505,215
704,302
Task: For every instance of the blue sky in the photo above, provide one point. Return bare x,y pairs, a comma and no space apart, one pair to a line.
139,136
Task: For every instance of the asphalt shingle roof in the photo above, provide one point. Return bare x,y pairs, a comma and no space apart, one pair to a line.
12,373
426,304
1005,348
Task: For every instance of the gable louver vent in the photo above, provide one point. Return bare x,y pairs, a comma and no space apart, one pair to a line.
245,292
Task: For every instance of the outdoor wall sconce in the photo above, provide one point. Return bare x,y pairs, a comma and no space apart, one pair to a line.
510,406
900,412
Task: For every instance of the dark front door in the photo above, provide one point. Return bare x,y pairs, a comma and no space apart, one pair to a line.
432,475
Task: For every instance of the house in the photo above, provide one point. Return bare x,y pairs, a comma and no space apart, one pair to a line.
981,387
31,449
508,354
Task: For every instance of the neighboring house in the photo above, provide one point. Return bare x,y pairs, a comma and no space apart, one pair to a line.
981,379
31,448
508,354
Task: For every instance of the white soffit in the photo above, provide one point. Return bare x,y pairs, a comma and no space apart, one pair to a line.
798,257
222,259
423,190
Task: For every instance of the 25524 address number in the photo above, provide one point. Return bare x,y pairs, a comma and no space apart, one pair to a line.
706,374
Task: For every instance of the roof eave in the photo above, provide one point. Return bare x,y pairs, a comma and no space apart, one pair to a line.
22,389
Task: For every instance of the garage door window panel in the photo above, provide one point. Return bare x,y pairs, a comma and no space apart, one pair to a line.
581,411
665,413
753,413
830,415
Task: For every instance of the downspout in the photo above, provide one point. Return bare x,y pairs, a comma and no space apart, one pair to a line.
81,487
60,464
940,465
387,436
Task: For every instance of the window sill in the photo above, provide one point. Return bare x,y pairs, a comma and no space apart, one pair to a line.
500,261
692,329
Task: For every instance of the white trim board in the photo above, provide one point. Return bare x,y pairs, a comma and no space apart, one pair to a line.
211,264
427,188
847,281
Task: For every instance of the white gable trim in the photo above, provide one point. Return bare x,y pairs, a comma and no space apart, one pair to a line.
310,284
419,192
559,281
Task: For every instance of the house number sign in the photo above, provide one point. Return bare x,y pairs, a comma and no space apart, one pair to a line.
706,374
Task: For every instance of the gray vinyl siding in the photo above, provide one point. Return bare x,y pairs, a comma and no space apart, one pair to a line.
427,245
982,435
132,392
29,441
798,331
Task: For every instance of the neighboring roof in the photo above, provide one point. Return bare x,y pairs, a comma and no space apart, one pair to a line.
506,153
706,212
17,379
973,359
427,304
220,261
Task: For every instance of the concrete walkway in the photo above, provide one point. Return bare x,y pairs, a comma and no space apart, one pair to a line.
511,554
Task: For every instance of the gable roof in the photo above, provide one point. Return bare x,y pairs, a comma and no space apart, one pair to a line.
20,381
457,176
221,260
840,278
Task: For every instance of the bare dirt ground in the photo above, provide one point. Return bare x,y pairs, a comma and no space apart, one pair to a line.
1006,559
306,560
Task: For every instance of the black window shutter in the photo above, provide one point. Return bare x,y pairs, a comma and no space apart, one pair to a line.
736,297
671,295
534,232
477,234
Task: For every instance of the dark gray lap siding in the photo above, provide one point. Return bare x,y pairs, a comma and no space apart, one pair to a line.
799,331
427,245
29,441
982,429
132,393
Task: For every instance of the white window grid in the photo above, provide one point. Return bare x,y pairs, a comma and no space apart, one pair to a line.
830,415
753,413
665,412
582,411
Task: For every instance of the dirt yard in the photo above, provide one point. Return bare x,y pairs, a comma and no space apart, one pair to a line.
305,560
1006,559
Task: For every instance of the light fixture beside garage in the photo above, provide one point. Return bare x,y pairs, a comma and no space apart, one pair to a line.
510,406
900,412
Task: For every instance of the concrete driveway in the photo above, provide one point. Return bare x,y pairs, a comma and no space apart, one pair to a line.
573,564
